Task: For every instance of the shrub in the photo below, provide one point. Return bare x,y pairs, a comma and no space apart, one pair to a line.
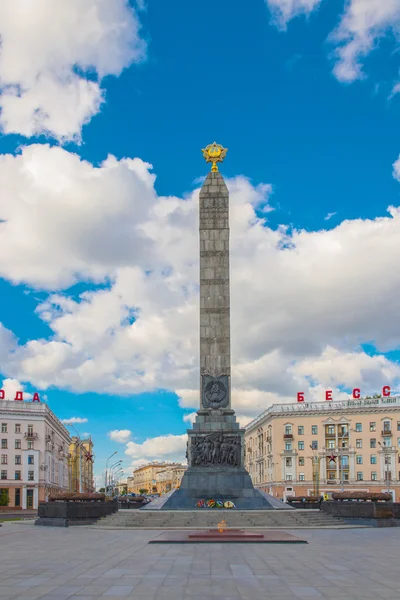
77,497
301,498
4,498
372,496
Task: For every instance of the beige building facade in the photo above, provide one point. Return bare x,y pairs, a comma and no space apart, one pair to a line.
145,478
33,454
321,447
81,460
170,478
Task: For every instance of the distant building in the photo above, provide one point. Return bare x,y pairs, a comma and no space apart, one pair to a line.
145,477
170,478
34,453
81,459
304,448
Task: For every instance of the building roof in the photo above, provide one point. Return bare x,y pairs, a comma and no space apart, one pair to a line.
367,404
14,408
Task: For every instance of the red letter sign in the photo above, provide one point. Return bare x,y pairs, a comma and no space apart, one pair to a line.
2,394
36,397
328,395
386,390
356,393
19,396
300,396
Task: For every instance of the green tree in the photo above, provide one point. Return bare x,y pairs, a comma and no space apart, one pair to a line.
142,491
4,498
102,490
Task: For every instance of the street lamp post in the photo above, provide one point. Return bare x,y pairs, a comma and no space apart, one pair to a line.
315,467
110,478
105,483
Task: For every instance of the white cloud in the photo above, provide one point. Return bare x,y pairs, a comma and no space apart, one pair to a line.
190,418
120,435
361,26
329,216
52,62
166,448
396,169
283,11
296,297
12,386
74,421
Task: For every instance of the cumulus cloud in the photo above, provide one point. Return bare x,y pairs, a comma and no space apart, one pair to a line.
120,435
74,421
300,299
52,62
166,448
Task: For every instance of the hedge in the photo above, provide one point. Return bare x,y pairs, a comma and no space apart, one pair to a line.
77,497
372,496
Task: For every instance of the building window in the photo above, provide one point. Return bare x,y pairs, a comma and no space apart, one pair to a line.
314,429
372,459
17,459
398,442
314,445
31,459
398,425
360,476
17,497
288,462
4,459
387,442
4,428
331,444
359,427
30,445
3,474
300,430
301,461
301,477
288,429
17,475
374,476
4,444
345,461
372,426
30,429
359,459
387,428
330,430
288,445
300,445
288,477
372,443
388,460
17,444
358,443
30,475
17,428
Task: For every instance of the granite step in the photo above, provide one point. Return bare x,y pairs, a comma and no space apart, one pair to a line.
293,519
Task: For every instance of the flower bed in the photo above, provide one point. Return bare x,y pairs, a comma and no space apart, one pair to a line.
77,497
364,496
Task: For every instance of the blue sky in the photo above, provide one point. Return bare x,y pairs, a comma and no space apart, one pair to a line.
313,144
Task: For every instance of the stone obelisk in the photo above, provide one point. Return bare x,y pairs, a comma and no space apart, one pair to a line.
215,450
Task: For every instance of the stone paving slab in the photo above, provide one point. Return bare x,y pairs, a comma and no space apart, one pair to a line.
58,564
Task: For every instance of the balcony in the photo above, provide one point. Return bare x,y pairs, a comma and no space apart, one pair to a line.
31,435
330,435
288,436
387,432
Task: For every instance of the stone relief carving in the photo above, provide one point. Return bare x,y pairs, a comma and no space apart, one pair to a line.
215,391
214,202
215,449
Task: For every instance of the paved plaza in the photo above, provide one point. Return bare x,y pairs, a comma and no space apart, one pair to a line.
85,563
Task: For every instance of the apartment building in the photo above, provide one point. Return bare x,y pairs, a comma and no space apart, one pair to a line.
145,477
317,448
33,453
170,478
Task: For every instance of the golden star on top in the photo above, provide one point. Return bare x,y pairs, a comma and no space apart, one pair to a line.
214,153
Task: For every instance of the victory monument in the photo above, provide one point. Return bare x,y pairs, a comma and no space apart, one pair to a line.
215,450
